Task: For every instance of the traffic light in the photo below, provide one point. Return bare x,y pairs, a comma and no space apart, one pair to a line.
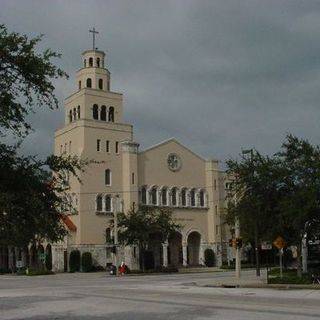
239,243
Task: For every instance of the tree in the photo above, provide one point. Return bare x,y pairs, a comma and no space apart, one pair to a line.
25,80
300,192
137,227
33,193
253,197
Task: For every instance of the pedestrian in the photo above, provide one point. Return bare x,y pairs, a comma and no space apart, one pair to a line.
122,269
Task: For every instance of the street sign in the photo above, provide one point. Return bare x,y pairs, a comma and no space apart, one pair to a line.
266,245
279,243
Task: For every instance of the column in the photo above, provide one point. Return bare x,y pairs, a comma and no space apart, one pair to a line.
184,254
165,254
201,254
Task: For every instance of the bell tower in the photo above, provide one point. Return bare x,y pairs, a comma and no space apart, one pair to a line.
93,74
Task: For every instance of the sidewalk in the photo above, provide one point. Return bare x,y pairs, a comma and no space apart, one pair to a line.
249,280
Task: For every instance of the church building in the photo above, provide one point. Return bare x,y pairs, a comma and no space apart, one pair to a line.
168,174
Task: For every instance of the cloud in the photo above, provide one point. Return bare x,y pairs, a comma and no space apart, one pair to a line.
217,75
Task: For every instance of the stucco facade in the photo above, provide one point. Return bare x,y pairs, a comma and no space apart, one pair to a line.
167,174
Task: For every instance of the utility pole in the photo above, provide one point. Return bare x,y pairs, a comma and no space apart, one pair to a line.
238,250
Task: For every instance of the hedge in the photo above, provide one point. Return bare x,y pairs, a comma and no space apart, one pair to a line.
86,262
209,257
74,261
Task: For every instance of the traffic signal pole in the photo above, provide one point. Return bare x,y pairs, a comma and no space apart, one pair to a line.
238,250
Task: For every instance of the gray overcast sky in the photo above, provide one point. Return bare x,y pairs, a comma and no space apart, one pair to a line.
217,75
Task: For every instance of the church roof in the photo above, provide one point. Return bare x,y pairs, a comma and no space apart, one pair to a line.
169,141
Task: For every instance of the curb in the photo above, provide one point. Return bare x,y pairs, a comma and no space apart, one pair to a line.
264,286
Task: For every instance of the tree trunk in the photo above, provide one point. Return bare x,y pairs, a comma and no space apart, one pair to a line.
299,266
141,252
256,245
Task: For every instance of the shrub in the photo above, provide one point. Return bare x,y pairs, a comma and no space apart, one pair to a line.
74,261
209,257
38,272
86,262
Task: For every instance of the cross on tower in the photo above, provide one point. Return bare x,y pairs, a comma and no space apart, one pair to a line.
94,32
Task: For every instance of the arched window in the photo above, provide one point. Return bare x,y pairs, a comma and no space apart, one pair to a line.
90,62
85,63
108,203
70,116
184,197
89,83
98,62
174,196
144,195
164,198
79,85
193,198
95,112
111,114
153,196
99,203
100,84
202,198
78,111
103,113
74,114
107,177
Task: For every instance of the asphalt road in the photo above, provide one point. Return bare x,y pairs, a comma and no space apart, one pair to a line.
97,296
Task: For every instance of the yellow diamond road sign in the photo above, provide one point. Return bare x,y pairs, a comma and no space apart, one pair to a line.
279,243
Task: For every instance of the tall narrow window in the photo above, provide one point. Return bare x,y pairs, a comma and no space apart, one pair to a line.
78,111
117,147
61,149
173,199
99,202
153,196
69,146
95,112
215,184
201,198
74,114
85,63
70,116
184,197
103,113
89,83
98,62
100,84
107,146
79,85
164,200
144,195
90,62
111,114
193,198
108,203
98,144
107,177
132,178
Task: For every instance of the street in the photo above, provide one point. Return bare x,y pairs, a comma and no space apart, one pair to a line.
174,296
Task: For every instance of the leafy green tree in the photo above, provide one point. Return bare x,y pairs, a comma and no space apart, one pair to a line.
33,193
25,80
300,192
138,226
253,197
